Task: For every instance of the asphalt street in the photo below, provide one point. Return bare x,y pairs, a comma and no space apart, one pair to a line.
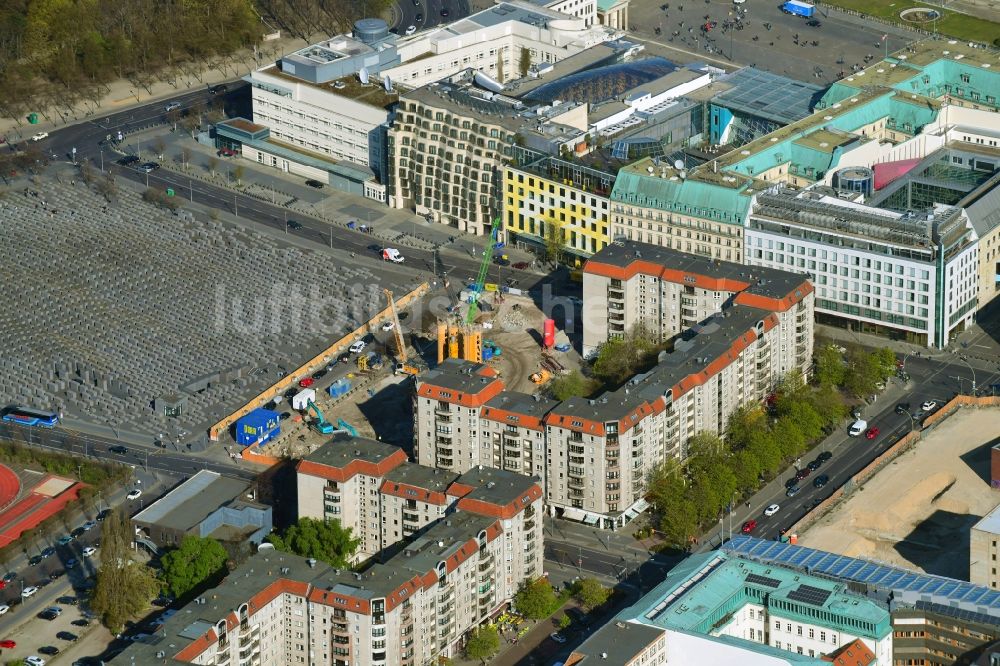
937,378
406,11
148,458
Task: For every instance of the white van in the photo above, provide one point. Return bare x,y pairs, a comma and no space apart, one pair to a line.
393,255
857,428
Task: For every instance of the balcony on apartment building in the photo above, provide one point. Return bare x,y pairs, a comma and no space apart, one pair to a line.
442,409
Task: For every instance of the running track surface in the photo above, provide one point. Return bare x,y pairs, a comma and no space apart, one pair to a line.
30,510
9,486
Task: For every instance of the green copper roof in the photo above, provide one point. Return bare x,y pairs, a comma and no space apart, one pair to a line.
701,595
686,197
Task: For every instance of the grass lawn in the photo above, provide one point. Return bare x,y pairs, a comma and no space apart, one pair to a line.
954,24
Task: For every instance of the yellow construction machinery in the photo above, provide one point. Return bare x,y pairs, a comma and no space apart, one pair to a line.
540,377
459,340
396,330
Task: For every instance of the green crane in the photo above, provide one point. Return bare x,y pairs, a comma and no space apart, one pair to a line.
484,268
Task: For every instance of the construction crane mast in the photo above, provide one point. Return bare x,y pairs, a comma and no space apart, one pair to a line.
484,268
397,333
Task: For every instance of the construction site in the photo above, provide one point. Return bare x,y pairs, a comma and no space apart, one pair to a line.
372,394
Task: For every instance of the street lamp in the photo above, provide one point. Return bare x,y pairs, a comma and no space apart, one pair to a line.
964,360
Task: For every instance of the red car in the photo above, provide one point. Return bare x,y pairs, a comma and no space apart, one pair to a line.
306,382
749,526
8,644
872,433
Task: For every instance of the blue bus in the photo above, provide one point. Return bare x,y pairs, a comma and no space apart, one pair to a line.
32,417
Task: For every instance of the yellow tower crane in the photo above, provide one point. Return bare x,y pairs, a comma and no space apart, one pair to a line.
397,332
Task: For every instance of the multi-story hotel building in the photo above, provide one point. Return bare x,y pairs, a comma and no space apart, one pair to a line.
372,489
740,333
882,271
279,609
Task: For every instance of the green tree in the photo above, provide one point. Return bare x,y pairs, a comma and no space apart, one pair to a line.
667,491
830,370
483,643
620,358
863,374
590,593
196,561
524,64
554,240
123,587
534,600
563,621
324,541
570,385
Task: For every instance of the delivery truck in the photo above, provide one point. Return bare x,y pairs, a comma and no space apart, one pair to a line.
798,8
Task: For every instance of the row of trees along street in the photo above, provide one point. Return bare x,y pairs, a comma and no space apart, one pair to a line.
690,496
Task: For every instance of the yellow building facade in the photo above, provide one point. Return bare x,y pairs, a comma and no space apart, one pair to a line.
554,196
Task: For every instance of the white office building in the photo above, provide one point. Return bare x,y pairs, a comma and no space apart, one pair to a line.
906,275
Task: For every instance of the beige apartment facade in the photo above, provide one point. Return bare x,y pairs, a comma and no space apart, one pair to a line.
742,333
386,500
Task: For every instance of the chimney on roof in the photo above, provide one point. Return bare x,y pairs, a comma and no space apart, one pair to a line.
311,562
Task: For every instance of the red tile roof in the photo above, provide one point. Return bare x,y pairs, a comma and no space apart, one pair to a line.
353,468
503,512
488,391
855,653
407,491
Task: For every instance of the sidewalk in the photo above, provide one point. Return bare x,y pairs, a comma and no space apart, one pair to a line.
122,94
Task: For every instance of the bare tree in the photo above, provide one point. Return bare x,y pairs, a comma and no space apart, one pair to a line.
174,115
159,145
238,172
213,164
185,155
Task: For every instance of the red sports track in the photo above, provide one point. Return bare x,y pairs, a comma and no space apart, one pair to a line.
24,514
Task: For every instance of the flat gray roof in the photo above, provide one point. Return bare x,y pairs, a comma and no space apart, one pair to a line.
595,56
532,405
617,643
342,449
458,375
191,502
421,476
497,486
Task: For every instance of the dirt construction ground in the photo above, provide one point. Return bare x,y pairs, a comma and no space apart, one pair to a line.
917,511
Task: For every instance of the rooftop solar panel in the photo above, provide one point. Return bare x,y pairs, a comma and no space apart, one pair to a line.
838,567
932,586
757,579
814,596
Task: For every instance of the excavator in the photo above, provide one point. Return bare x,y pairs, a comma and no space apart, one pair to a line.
321,425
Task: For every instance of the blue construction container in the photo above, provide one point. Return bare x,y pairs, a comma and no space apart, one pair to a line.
487,353
339,388
257,427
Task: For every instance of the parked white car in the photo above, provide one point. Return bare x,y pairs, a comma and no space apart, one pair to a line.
928,406
357,347
89,551
134,494
4,608
771,510
388,326
28,592
34,661
857,428
412,29
39,136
